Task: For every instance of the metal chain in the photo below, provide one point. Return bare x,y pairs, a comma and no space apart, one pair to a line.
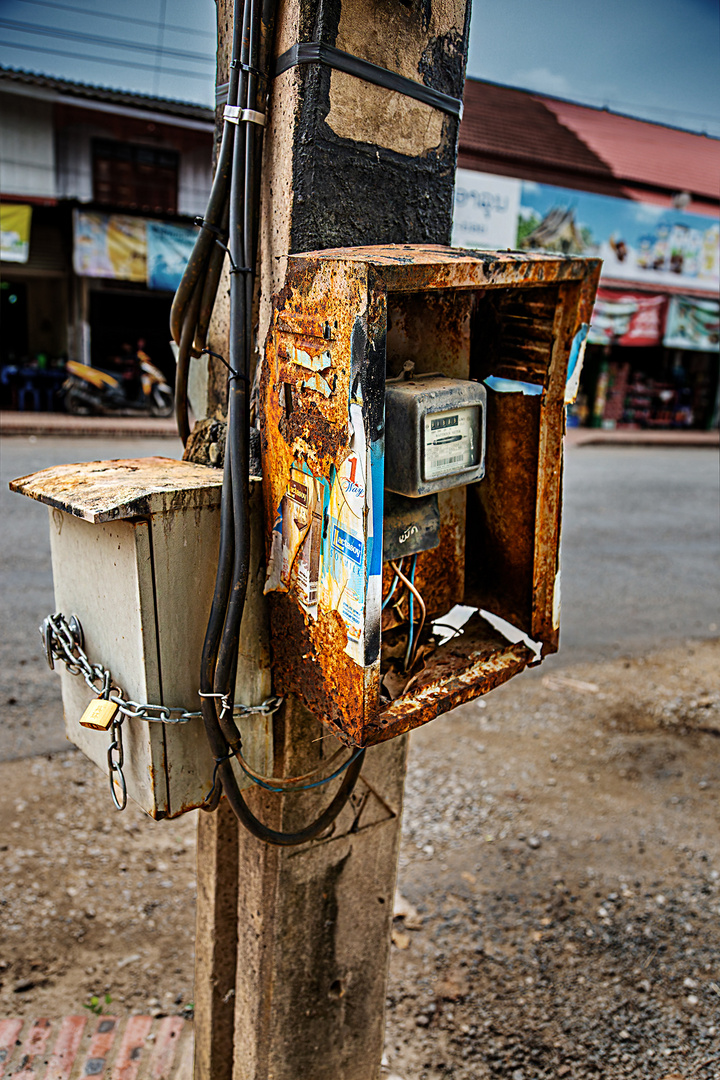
116,760
63,640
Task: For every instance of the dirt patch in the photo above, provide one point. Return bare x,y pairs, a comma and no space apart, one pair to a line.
560,846
561,843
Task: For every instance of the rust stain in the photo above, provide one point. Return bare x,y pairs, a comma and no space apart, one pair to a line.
479,675
306,326
440,574
470,315
309,660
101,491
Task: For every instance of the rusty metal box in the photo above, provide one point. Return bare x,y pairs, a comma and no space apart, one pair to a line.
134,550
344,322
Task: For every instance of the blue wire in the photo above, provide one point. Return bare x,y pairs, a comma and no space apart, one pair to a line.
302,787
411,630
388,598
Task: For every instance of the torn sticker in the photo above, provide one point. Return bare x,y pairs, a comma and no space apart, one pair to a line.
274,566
513,386
297,539
575,364
318,383
313,362
342,586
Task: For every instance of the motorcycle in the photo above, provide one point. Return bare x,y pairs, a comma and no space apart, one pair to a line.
91,391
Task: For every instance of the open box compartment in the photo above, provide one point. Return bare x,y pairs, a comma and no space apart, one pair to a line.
345,321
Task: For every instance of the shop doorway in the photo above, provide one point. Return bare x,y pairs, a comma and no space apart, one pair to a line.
14,322
119,317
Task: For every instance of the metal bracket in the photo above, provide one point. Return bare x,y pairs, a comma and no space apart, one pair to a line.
236,115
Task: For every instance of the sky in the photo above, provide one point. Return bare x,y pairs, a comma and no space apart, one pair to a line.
655,59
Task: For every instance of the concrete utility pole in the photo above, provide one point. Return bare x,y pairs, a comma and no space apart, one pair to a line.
293,943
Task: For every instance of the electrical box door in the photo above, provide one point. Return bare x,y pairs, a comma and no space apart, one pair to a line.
412,401
134,550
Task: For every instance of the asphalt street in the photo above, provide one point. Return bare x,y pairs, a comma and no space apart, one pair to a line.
641,563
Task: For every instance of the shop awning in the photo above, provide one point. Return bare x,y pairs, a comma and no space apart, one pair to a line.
628,318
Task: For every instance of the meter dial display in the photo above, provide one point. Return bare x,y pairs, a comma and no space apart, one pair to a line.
452,442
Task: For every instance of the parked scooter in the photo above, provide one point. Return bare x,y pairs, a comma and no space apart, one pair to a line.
91,391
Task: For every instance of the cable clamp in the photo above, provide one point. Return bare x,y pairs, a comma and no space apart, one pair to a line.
236,115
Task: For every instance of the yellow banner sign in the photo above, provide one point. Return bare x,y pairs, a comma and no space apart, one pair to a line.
15,220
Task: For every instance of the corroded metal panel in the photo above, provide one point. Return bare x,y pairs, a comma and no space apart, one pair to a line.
322,443
344,318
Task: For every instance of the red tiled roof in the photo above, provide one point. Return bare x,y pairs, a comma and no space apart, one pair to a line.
640,151
530,135
509,124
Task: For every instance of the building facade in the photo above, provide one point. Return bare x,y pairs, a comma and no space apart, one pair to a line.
540,173
98,192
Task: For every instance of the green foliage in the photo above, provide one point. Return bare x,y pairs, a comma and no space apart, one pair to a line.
94,1006
526,226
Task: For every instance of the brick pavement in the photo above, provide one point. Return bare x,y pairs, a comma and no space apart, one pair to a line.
103,1047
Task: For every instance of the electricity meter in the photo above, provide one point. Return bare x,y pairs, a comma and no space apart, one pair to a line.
434,434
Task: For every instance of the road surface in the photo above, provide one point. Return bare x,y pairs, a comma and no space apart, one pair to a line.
641,563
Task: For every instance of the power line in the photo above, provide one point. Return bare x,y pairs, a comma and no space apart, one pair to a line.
119,18
107,60
96,39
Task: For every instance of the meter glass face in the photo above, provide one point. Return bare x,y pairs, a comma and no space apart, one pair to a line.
452,442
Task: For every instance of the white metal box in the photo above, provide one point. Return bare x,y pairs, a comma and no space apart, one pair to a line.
134,551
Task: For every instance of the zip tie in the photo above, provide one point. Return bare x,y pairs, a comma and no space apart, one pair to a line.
238,65
236,115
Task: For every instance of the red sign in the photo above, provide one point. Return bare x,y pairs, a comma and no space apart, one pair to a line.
627,318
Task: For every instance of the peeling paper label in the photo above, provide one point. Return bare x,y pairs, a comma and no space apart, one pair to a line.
319,362
513,386
319,384
319,550
342,586
575,364
297,539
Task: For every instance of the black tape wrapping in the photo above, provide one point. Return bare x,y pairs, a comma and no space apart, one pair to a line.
317,52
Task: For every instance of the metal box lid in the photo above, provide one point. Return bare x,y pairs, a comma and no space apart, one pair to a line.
100,491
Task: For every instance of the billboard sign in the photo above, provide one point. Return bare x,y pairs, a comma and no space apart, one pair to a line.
639,242
486,210
125,248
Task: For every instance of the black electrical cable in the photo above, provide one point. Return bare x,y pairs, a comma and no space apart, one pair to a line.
233,211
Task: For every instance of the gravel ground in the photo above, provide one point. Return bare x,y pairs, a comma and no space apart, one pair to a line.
560,870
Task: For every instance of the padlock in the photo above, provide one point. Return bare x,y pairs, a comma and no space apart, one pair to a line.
99,714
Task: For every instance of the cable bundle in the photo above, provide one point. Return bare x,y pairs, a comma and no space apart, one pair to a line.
408,586
230,227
